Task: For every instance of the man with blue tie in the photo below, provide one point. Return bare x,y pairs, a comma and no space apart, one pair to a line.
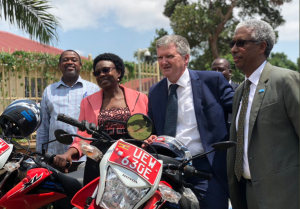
191,106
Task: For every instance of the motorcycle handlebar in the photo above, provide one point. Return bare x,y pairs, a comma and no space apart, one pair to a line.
189,171
66,119
203,174
49,159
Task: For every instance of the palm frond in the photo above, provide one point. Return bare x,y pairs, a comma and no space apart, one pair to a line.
33,17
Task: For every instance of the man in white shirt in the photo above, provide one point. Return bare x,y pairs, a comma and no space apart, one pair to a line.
203,99
263,169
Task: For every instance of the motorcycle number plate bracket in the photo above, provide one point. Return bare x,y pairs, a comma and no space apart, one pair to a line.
137,160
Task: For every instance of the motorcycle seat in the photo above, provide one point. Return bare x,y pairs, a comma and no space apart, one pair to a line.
72,182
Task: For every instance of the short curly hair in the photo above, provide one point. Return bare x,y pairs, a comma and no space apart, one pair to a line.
118,62
261,31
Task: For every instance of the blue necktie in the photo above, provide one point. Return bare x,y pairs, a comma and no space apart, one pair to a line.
171,112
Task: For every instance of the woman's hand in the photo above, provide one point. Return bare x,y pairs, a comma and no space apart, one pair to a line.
62,160
149,141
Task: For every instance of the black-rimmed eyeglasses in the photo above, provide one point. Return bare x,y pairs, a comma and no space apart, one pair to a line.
241,43
104,70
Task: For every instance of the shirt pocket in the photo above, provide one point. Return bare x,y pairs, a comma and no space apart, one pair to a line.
188,117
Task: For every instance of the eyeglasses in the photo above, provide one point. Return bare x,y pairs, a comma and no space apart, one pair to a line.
241,43
104,70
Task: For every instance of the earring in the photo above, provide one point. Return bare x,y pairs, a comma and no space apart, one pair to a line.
118,79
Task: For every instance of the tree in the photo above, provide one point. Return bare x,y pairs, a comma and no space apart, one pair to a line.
31,16
152,48
208,25
281,60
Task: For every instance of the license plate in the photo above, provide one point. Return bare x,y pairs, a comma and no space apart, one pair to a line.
3,146
137,160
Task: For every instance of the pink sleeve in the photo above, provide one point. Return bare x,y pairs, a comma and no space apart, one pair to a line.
76,141
142,105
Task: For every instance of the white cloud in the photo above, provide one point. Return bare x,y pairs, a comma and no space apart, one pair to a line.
140,15
290,30
80,52
5,26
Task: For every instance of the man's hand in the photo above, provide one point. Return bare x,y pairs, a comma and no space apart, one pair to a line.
62,160
149,141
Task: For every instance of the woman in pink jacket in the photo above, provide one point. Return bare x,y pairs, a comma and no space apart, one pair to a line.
113,101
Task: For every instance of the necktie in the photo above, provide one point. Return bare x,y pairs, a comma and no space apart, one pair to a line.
171,112
238,166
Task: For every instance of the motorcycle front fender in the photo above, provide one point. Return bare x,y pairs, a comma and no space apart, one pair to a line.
79,200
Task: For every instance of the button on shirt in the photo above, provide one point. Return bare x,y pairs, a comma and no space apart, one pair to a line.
61,98
187,129
254,78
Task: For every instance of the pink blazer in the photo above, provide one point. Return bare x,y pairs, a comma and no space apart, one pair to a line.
90,106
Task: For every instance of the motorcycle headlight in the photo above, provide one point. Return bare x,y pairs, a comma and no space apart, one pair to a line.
118,196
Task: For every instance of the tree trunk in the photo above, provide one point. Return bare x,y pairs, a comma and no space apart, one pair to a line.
214,38
214,47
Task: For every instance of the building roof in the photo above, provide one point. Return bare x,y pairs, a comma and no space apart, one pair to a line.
10,43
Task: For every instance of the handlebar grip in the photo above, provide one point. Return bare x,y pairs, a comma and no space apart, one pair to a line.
203,174
72,121
48,157
68,165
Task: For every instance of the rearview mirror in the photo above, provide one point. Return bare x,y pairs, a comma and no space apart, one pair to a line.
59,135
223,145
139,126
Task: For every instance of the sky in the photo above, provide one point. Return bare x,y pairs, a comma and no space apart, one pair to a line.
122,26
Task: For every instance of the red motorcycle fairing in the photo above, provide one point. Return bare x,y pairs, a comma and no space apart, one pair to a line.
79,200
18,196
156,201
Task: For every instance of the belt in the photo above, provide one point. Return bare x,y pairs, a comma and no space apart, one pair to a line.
113,131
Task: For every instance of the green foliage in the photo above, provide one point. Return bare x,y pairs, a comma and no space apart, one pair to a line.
200,63
209,25
152,48
198,22
237,75
28,61
281,60
130,68
171,5
31,16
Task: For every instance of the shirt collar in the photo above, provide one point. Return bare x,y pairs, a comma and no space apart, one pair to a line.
61,83
183,80
254,77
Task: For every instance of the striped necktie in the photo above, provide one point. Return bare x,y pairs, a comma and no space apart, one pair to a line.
238,166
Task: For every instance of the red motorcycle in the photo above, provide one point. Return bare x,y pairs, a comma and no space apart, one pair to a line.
26,179
133,178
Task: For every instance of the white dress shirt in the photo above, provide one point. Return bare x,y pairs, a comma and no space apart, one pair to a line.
187,129
254,78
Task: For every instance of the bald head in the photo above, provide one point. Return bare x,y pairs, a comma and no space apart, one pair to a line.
222,65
